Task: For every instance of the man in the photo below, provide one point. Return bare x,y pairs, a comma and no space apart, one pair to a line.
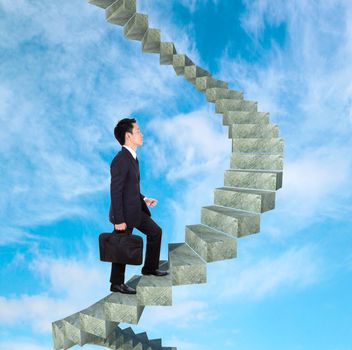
128,207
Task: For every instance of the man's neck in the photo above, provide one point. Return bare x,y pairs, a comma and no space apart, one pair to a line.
134,147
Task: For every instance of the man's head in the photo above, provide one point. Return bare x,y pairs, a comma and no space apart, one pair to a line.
127,133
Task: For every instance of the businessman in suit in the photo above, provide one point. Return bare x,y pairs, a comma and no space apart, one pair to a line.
129,208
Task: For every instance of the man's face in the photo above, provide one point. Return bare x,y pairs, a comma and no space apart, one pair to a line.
136,138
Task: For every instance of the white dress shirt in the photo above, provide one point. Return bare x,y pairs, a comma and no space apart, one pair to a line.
133,152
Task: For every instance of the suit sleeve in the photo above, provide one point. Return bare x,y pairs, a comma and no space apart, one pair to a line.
118,171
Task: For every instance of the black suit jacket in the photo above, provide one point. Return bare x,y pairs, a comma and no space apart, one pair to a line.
127,201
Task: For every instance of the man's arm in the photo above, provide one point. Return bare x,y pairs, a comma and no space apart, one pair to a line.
118,171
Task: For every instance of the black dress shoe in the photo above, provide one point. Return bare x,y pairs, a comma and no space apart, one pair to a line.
122,288
154,272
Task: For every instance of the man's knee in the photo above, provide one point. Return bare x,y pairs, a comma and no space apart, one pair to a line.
157,232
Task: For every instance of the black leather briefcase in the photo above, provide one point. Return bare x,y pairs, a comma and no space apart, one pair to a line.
121,247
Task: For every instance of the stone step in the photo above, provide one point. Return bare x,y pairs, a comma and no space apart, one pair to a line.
131,341
102,3
143,337
258,145
155,343
256,179
210,244
110,341
92,320
152,290
179,62
73,331
119,12
120,307
192,72
186,266
167,51
245,117
214,94
225,105
253,131
258,201
151,41
59,339
235,222
256,161
136,27
125,339
204,83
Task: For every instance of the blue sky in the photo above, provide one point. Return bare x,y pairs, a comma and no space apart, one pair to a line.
67,76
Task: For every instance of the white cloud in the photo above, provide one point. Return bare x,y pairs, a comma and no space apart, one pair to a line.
25,344
193,5
190,145
70,286
293,269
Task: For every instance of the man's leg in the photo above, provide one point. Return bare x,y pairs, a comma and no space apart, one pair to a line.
153,231
117,275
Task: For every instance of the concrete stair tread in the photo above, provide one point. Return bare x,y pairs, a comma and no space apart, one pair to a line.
204,83
216,93
136,27
96,310
186,266
193,71
101,3
155,281
273,146
233,221
123,299
256,161
245,117
256,171
179,62
252,200
235,213
120,11
247,113
143,337
245,190
209,234
120,307
151,41
226,105
209,243
167,51
181,254
156,342
93,320
254,130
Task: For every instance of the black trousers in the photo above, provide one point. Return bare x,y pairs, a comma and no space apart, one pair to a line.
151,262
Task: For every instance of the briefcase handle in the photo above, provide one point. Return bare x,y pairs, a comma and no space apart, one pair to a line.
121,231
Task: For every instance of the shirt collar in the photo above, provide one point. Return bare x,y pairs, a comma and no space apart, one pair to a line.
134,154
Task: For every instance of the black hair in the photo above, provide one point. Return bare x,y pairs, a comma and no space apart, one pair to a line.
123,126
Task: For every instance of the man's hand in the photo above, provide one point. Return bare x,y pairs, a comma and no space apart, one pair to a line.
151,202
120,227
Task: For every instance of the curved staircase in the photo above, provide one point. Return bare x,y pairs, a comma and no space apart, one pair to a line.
249,189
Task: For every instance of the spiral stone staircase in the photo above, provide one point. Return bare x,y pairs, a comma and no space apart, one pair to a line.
249,189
